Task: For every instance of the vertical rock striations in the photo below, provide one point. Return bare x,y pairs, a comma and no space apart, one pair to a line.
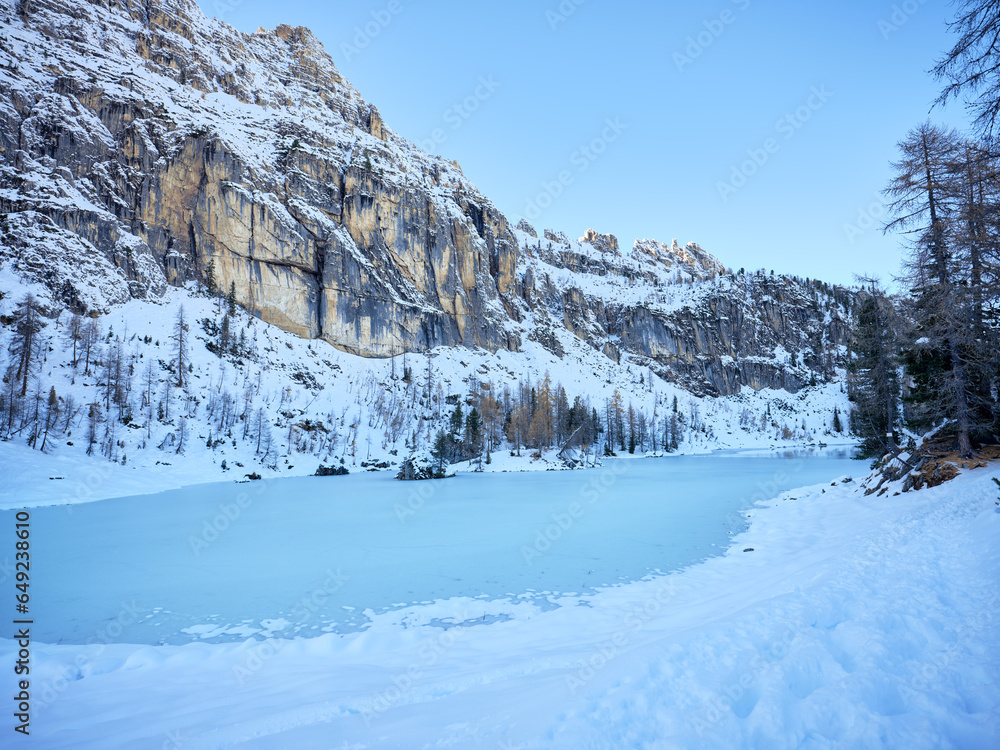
142,143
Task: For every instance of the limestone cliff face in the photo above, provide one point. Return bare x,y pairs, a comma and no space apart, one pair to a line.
682,313
250,154
142,144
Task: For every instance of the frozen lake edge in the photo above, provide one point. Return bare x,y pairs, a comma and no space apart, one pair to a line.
855,622
305,556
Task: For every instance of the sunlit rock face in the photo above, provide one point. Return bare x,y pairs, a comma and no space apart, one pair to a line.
144,145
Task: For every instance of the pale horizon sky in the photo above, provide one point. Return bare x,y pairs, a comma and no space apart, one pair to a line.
763,133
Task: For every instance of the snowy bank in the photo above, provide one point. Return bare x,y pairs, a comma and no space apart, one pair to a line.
854,622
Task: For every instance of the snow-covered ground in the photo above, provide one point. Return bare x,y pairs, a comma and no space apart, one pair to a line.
854,622
366,413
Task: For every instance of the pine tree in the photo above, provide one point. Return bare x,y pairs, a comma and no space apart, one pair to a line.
873,375
632,428
225,337
91,338
473,437
210,281
455,423
441,450
26,344
147,398
93,420
924,204
231,300
563,416
51,415
181,435
180,339
74,334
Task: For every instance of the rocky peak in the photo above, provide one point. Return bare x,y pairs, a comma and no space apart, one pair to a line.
691,258
560,238
524,226
605,243
142,144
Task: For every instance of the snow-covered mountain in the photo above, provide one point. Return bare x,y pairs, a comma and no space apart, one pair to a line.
147,149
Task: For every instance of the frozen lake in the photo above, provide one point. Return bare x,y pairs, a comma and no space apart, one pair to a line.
303,556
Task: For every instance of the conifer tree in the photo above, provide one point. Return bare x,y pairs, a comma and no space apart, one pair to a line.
441,450
210,281
51,415
970,68
180,339
924,204
26,344
74,334
473,437
874,375
231,300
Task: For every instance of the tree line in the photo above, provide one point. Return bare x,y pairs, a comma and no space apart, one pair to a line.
930,356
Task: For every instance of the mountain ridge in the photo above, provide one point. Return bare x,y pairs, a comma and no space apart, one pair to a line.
250,155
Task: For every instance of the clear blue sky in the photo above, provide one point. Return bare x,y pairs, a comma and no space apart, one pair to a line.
689,121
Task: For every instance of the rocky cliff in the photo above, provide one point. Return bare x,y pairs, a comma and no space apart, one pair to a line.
145,145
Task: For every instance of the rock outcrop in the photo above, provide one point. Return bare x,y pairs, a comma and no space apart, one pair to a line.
143,144
179,139
682,313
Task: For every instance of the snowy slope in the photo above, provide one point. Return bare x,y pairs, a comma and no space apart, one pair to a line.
144,143
855,622
301,383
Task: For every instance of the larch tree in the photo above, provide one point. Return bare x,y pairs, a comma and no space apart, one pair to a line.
91,339
74,334
180,339
51,415
971,69
26,344
926,197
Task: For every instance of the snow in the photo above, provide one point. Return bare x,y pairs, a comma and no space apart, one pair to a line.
313,381
854,622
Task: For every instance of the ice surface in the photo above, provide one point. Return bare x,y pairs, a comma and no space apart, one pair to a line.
856,622
216,559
